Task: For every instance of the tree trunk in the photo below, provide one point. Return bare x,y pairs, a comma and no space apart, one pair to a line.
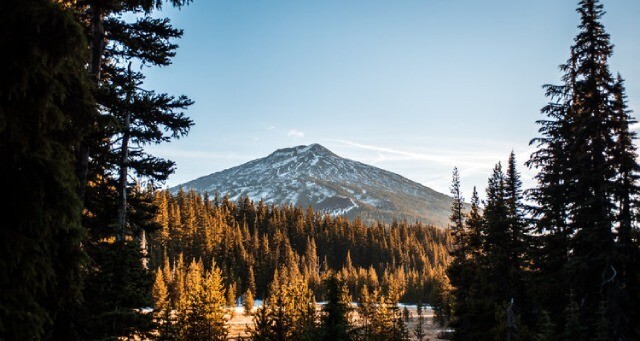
97,49
124,160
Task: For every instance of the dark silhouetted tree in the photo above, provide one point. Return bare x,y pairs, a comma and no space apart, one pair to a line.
586,185
46,107
335,324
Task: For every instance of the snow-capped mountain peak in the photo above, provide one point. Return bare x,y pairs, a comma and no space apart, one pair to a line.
313,175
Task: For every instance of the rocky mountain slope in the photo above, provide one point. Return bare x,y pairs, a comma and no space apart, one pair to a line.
313,175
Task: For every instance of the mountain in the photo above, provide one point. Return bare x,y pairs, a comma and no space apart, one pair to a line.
313,175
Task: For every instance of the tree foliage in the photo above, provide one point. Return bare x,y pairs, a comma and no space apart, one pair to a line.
251,240
571,271
122,39
586,190
336,318
46,105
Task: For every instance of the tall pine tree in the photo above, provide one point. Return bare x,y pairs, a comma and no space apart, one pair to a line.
488,274
46,106
586,189
129,117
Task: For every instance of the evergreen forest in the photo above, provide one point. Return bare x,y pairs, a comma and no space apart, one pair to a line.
93,248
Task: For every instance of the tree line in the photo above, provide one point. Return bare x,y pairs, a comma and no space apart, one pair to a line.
564,264
249,241
192,303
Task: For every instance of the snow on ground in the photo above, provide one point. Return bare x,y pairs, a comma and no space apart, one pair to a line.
343,211
239,322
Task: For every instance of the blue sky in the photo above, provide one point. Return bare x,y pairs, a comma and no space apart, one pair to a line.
414,87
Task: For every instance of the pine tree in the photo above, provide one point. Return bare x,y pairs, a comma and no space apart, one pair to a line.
390,325
160,292
464,273
111,41
281,321
248,302
441,297
303,307
114,292
457,214
505,245
366,310
128,118
515,214
420,249
204,314
458,270
311,257
179,295
475,225
289,309
162,308
45,110
250,284
519,244
488,274
418,330
497,237
591,215
216,310
585,185
262,328
335,323
194,320
380,317
231,295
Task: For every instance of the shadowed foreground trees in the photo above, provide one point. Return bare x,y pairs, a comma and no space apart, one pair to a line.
124,38
575,275
586,152
45,109
487,270
69,106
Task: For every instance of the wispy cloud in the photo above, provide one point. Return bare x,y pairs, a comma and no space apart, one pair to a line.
433,168
450,157
295,133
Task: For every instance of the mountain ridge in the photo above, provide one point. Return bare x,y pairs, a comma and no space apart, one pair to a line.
315,176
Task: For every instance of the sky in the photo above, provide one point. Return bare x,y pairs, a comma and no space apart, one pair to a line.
413,87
